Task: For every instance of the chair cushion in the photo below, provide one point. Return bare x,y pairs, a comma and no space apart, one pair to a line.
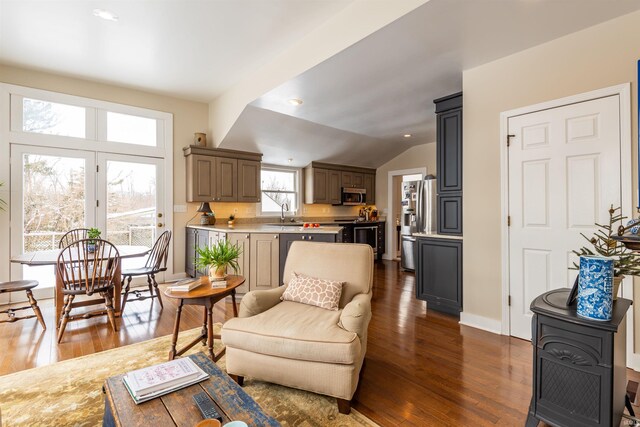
323,293
295,331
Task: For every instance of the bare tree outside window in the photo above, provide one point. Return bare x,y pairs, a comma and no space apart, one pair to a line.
278,187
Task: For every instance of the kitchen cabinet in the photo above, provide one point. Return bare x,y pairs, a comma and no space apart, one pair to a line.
439,273
243,241
382,231
249,181
324,182
370,186
264,256
449,163
286,239
196,238
222,175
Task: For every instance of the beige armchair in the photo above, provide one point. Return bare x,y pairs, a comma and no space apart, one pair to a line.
303,346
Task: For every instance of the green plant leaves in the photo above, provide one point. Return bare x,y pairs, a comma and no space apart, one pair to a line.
222,254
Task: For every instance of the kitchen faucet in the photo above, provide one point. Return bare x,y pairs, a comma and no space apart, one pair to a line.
283,207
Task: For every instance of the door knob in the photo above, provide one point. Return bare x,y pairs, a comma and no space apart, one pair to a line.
159,215
160,224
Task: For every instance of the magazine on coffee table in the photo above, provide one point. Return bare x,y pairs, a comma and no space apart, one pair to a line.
148,383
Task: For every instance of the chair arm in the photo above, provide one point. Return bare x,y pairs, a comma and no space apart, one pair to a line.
356,314
255,302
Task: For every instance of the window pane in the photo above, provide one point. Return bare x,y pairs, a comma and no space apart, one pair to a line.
131,129
278,180
272,202
52,118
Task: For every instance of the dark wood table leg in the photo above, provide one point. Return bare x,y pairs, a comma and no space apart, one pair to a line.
204,327
209,310
176,329
233,301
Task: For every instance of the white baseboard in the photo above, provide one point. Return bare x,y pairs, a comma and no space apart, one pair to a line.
480,322
175,276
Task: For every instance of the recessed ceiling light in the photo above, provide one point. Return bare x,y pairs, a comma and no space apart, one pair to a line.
295,101
407,135
290,160
105,14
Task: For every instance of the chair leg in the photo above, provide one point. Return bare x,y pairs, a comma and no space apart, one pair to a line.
155,286
36,309
110,312
344,406
65,316
126,294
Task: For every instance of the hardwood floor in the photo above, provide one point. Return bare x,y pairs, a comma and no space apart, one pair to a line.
422,368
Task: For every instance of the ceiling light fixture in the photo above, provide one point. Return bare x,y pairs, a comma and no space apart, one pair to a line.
105,14
295,101
407,135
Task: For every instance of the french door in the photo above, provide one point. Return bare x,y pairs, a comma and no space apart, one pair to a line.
55,190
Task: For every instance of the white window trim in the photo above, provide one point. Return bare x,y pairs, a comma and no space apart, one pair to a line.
163,150
297,188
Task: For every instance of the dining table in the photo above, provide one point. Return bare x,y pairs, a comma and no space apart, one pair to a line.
50,257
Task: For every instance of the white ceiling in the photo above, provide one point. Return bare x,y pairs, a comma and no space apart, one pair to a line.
384,86
357,104
191,49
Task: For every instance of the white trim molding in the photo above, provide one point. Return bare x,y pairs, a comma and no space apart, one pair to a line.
390,221
623,91
480,322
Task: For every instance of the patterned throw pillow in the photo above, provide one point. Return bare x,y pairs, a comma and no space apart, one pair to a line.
322,293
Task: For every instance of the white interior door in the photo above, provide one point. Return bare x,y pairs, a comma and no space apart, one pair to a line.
53,191
564,174
131,202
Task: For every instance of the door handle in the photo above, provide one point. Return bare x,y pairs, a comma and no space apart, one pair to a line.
160,224
159,215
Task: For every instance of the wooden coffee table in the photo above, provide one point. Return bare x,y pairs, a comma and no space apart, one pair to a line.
178,408
205,296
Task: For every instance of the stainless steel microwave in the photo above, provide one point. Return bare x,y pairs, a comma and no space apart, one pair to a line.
354,196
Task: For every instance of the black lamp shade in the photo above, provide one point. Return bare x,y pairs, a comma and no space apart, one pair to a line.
204,208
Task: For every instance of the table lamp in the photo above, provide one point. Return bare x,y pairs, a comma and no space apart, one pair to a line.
206,210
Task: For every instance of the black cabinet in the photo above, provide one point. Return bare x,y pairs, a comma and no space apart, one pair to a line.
196,238
450,213
579,366
381,239
439,274
286,239
449,163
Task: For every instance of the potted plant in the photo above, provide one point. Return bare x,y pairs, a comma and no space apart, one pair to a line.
232,220
93,233
602,243
218,258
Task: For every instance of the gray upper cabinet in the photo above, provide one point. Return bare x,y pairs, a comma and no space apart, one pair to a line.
217,175
324,182
249,181
449,143
226,180
370,186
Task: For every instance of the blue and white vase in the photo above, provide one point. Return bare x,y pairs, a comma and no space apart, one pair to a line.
595,288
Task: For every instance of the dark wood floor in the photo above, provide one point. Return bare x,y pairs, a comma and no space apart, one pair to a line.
422,368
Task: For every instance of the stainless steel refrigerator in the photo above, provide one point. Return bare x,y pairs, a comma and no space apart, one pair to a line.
418,216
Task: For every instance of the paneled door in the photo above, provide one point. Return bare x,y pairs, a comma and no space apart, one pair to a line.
564,174
130,202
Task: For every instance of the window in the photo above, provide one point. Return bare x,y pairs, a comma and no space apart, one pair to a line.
51,118
279,186
131,129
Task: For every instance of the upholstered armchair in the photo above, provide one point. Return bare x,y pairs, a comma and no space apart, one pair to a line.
303,346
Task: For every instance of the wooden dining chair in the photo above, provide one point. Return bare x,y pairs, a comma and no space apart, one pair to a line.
156,263
85,272
72,236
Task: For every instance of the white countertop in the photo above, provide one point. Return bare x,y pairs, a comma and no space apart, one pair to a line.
266,228
437,236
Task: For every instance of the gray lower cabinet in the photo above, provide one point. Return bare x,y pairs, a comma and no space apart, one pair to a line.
439,274
264,261
196,238
243,240
286,239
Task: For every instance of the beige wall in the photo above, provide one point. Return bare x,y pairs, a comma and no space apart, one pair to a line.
188,117
601,56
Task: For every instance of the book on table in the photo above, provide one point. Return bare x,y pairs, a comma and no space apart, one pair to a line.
154,381
185,285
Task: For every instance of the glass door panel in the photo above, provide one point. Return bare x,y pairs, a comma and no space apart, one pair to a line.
55,193
130,197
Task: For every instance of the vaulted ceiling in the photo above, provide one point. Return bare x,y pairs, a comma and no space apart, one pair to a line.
360,97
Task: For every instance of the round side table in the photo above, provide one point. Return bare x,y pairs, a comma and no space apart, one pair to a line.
206,296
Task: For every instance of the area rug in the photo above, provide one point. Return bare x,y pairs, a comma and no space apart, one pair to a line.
69,393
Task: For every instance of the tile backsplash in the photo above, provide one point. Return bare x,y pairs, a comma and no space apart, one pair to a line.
249,210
